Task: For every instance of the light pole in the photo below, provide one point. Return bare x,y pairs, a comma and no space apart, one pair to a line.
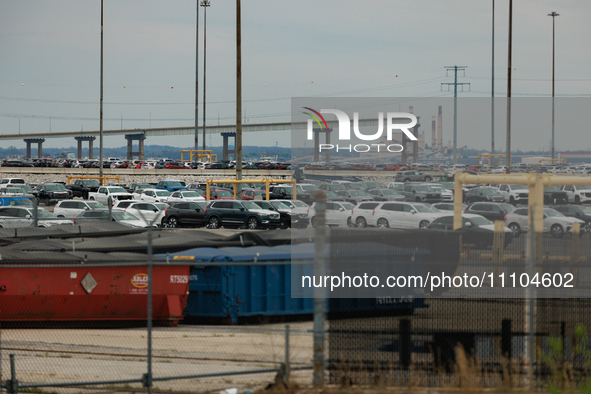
554,14
197,80
204,4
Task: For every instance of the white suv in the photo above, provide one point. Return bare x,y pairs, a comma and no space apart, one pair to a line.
403,215
514,194
578,193
73,208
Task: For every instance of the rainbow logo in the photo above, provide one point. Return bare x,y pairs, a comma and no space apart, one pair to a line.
315,118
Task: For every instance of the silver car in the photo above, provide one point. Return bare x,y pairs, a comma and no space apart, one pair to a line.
555,222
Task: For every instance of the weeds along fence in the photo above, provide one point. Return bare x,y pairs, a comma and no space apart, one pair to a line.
449,336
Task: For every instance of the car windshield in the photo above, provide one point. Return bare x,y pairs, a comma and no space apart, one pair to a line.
161,205
90,183
347,205
584,187
53,188
518,187
479,221
552,213
191,194
250,205
44,214
162,193
279,205
123,216
95,205
552,189
507,207
26,202
424,189
585,210
357,193
371,184
425,208
299,204
489,191
117,190
331,194
174,184
309,187
224,194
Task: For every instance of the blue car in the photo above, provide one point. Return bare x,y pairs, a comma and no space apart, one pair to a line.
171,186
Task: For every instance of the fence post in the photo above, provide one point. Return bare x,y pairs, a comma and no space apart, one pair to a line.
147,378
506,338
319,292
287,365
12,384
404,343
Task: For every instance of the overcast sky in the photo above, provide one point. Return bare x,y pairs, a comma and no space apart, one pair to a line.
50,62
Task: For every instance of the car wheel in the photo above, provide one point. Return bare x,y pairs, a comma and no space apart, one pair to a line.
173,222
360,222
214,222
284,223
406,180
252,223
418,199
424,224
577,199
428,179
515,229
557,231
383,223
313,221
91,198
587,227
349,222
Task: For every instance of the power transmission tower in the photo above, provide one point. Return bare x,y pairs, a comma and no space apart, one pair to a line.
455,84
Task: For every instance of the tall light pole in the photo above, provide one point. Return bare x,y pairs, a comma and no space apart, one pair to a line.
101,116
492,108
238,147
197,80
204,4
554,14
508,168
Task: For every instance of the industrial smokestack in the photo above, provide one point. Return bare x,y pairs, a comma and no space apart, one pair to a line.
439,131
433,142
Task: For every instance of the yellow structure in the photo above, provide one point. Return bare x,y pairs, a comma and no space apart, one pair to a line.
536,183
489,155
200,154
552,161
267,182
104,178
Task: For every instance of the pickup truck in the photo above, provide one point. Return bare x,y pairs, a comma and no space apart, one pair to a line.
171,185
82,187
117,193
281,192
514,194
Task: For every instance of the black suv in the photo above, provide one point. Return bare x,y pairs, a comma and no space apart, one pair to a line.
50,193
490,210
486,194
232,213
577,211
185,214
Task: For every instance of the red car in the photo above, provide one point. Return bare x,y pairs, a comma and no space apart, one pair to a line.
251,194
176,165
220,194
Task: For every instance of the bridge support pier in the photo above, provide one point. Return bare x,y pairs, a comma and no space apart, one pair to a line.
225,151
317,144
39,142
135,137
90,140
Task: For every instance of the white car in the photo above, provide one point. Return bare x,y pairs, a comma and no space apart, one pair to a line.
555,222
514,194
185,195
297,207
399,215
338,213
117,215
152,212
578,193
19,216
73,208
154,195
446,194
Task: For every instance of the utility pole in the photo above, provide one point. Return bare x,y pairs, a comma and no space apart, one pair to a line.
455,85
238,147
204,4
508,168
197,80
492,90
554,14
101,120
